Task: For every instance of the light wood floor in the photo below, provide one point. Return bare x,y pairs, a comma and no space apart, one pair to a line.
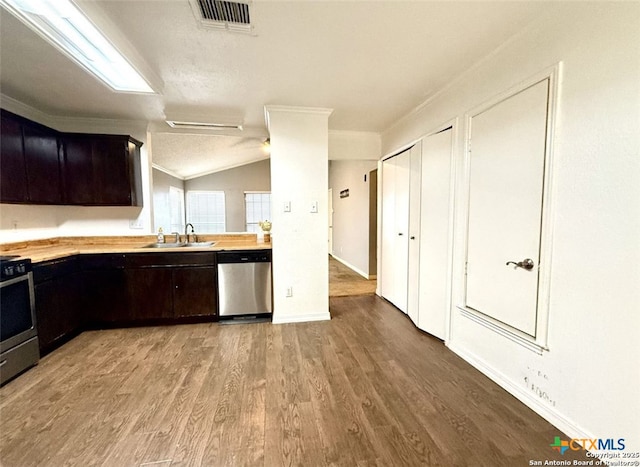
365,388
344,282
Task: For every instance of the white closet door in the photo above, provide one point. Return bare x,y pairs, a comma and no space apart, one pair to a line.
395,229
401,260
435,218
413,285
389,232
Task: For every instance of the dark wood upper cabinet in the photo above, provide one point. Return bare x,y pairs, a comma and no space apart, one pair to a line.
102,170
117,171
78,169
13,170
42,166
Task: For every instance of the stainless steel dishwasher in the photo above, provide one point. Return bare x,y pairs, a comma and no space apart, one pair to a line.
244,283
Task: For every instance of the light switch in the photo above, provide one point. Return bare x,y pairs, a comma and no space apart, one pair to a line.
314,206
287,206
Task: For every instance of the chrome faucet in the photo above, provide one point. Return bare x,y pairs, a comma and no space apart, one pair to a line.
186,233
177,240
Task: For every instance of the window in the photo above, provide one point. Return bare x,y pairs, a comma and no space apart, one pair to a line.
206,211
176,209
257,209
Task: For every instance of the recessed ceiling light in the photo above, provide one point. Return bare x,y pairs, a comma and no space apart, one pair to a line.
63,25
203,125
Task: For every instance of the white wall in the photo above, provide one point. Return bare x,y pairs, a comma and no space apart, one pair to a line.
350,145
162,182
299,175
351,214
234,182
587,383
29,222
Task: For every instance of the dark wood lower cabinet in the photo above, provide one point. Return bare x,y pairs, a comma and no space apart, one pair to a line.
193,293
149,293
107,290
105,297
59,314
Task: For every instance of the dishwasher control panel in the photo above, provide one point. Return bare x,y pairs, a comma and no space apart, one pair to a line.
256,256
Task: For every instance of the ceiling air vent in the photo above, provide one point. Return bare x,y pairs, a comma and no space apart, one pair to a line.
219,14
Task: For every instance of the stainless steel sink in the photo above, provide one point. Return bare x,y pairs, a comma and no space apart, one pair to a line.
180,245
199,244
165,245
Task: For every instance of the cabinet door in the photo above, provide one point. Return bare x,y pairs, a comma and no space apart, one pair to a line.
194,291
43,165
111,171
13,172
49,304
105,297
79,186
58,313
150,293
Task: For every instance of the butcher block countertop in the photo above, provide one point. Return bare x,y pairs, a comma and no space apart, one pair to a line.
54,248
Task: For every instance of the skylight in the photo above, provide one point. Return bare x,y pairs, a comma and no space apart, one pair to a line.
62,24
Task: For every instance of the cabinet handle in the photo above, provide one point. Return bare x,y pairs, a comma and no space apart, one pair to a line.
412,238
401,234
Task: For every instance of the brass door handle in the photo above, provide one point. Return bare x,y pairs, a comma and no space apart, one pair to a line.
524,264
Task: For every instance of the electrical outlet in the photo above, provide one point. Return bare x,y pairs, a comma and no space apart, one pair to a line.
135,224
314,206
287,206
289,291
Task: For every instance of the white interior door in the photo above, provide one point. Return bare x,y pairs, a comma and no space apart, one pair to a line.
507,153
435,219
413,257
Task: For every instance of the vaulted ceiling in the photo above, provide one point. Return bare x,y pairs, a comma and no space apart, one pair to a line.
371,62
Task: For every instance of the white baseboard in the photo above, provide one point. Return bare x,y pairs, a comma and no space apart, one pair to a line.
301,318
551,415
353,268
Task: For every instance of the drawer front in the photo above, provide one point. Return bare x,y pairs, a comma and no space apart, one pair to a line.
48,270
103,261
137,260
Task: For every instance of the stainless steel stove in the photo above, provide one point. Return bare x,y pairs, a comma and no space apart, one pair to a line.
19,336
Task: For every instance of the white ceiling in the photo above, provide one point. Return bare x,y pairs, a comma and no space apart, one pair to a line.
371,62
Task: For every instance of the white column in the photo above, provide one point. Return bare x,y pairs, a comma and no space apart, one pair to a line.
299,181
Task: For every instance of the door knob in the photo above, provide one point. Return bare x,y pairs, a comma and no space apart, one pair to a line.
524,264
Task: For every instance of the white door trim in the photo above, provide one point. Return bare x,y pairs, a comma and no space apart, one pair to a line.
540,342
